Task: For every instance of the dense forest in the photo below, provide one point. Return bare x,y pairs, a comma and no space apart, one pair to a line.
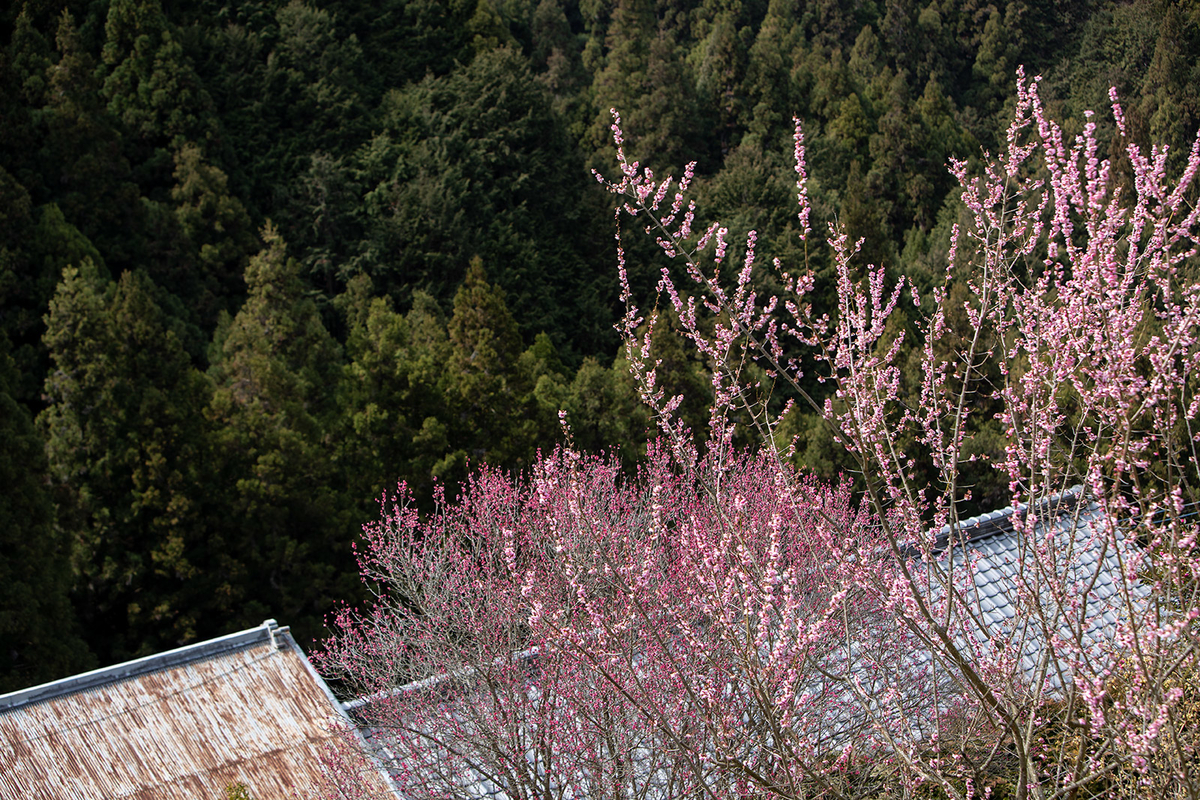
260,261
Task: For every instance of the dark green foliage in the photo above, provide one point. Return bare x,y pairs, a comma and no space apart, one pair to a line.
35,244
393,403
289,85
605,413
311,87
328,199
639,69
917,137
80,155
557,58
494,415
273,407
475,163
37,624
210,239
405,40
149,83
23,85
772,84
1170,103
126,440
392,143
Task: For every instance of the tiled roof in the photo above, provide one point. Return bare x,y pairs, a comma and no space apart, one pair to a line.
187,723
1002,523
1080,553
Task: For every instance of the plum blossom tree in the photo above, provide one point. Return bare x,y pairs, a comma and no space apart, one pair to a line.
721,625
573,635
1086,296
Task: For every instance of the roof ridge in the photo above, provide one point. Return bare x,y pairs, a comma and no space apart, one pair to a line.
991,523
268,631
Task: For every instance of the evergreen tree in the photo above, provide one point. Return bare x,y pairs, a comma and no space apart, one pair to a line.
405,40
644,76
393,401
231,62
80,155
206,271
556,56
995,68
486,390
38,628
151,85
23,66
770,82
1116,48
433,458
127,448
719,59
1170,92
395,140
605,413
21,309
276,376
501,400
486,29
310,90
327,203
35,244
475,163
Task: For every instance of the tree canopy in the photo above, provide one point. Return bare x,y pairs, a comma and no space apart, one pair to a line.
260,262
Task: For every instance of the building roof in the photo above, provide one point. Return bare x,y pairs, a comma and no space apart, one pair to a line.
1001,524
1084,555
188,723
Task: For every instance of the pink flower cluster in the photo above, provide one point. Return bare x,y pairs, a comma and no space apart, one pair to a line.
1082,292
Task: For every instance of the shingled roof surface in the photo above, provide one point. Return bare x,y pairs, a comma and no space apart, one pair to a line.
1083,555
246,708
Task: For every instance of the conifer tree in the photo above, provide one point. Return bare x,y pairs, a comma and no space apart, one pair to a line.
38,627
644,74
126,442
20,316
23,65
328,212
556,50
502,399
769,85
402,41
80,154
218,232
485,388
35,244
276,376
1170,97
393,402
151,85
475,163
310,89
605,413
719,60
433,457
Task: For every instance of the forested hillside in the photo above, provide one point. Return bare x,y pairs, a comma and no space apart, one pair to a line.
260,261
